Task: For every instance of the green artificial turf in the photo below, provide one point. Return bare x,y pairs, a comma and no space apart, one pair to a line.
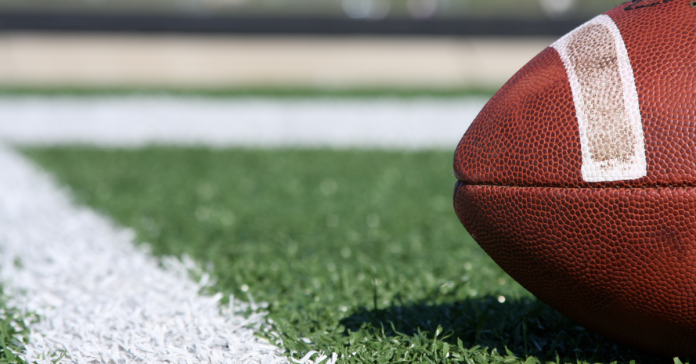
357,252
14,331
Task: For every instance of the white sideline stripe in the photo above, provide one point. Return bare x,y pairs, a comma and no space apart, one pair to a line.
607,107
136,121
101,299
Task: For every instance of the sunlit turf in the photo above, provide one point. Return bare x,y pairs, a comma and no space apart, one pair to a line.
14,331
357,252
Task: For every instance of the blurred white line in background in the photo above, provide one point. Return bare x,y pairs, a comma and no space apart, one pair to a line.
401,123
218,61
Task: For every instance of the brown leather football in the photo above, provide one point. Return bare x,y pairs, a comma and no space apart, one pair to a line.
579,176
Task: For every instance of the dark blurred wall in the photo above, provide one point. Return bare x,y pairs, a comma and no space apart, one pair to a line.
223,44
357,9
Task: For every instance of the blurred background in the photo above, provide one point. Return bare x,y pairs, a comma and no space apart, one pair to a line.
286,44
337,9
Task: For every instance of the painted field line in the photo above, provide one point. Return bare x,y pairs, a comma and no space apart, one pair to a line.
313,122
101,299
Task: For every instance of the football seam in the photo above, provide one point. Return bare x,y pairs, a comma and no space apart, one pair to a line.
671,187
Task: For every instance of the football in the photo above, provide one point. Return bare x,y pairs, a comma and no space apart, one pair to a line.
579,176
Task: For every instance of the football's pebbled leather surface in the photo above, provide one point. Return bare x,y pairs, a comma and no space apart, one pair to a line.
613,249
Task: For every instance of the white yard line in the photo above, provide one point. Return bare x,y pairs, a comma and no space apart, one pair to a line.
101,299
133,121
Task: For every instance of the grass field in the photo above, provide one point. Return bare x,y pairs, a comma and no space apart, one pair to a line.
13,330
358,253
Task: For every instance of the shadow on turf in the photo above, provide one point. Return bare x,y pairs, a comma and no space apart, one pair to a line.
527,327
